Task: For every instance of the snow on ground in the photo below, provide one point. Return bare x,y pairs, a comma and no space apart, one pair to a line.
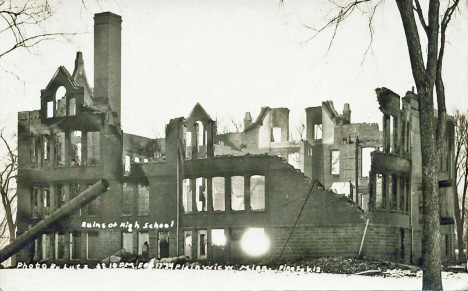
150,279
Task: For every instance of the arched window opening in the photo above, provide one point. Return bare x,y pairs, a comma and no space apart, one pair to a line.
60,101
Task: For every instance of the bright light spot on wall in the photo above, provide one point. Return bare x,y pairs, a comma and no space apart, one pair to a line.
217,237
254,242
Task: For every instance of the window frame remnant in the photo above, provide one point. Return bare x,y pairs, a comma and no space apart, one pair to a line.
143,236
237,194
257,192
201,194
202,244
163,244
60,149
187,195
188,242
76,141
143,200
34,202
276,134
50,109
127,199
318,131
60,246
127,241
219,193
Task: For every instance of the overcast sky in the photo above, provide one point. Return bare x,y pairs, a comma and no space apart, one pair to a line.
232,57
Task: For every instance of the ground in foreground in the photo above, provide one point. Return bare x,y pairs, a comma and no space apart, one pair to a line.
153,279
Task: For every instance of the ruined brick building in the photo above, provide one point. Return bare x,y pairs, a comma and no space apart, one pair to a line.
226,197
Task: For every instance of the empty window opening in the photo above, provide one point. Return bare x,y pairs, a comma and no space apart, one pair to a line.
163,244
38,249
75,245
34,202
202,244
200,133
60,246
46,148
366,161
46,241
50,109
143,200
137,160
394,190
402,206
145,160
317,131
218,194
75,148
237,193
127,199
201,194
257,192
60,194
310,152
127,241
392,134
60,149
92,245
93,145
217,237
188,140
276,136
187,195
33,151
127,164
74,191
143,237
378,192
335,162
60,101
72,106
188,244
46,197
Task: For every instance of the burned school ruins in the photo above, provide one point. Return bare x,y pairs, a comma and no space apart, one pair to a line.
346,189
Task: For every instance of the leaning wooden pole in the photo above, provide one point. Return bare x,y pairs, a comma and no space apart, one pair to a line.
63,212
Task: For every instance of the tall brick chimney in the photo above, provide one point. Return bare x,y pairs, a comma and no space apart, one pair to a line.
107,60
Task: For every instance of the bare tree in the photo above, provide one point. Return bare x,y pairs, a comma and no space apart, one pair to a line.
237,125
426,68
8,189
461,174
21,25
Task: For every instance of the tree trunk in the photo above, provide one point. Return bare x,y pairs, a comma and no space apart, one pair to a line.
431,217
424,79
